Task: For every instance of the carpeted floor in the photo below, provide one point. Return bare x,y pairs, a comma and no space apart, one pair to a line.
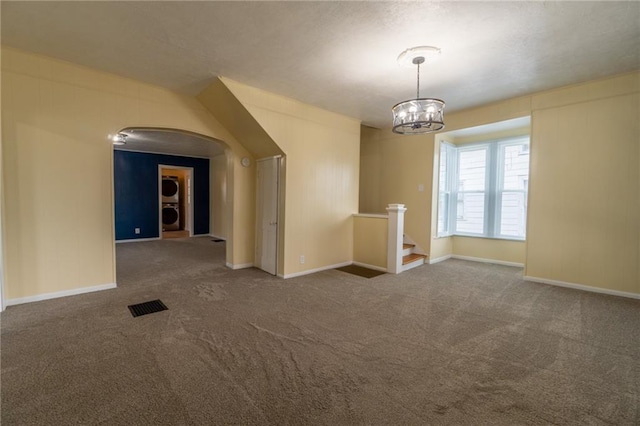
453,343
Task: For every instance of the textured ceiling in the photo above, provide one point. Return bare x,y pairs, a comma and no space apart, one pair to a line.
340,56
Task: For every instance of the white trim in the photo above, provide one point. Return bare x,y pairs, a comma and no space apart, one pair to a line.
366,265
417,249
64,293
582,287
3,303
483,260
313,271
189,197
217,237
372,215
414,264
269,158
475,259
138,240
267,245
438,259
395,237
239,265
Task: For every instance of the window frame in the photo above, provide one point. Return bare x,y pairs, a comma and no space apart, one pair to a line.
449,192
494,191
499,189
487,179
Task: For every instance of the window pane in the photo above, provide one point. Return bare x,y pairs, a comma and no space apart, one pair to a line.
513,218
471,170
473,176
516,167
470,213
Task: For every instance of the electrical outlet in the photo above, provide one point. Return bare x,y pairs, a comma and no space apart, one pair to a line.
420,187
302,259
137,231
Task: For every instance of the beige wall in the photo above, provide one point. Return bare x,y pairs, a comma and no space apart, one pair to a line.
235,117
370,240
403,163
489,136
370,166
219,221
57,160
508,251
584,189
584,214
322,176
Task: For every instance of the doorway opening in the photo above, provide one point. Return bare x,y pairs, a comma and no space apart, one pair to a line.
170,183
175,186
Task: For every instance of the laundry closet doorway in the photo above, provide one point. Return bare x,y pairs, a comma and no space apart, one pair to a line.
175,184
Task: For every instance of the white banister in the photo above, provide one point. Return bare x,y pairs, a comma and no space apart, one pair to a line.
396,231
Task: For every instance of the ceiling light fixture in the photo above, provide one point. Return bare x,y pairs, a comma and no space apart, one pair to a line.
119,139
419,115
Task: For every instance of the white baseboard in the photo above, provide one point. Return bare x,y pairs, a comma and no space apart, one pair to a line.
366,265
217,237
483,260
313,271
239,265
582,287
138,240
438,259
64,293
474,259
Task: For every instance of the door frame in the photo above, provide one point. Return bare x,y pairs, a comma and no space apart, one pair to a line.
278,195
189,207
2,300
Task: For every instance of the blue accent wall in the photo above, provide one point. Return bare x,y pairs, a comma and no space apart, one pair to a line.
137,197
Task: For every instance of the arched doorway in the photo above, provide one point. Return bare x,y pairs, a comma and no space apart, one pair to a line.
146,158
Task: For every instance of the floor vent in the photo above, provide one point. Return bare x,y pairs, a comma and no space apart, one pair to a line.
147,308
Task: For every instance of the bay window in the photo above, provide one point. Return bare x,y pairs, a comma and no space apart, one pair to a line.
483,189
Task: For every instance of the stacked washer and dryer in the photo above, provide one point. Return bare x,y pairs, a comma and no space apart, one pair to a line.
170,203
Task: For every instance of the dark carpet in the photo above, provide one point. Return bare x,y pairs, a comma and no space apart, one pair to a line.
455,343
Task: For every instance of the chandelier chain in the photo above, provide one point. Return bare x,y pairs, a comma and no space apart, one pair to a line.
418,85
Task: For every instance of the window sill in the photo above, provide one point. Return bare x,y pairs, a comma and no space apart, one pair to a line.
519,240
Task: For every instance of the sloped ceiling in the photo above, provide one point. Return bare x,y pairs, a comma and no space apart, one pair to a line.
227,109
340,56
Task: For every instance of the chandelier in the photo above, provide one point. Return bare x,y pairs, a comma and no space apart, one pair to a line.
419,115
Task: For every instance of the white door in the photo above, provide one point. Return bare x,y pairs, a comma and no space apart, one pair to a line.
268,171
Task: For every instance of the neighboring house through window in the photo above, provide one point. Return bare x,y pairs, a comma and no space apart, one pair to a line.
483,189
